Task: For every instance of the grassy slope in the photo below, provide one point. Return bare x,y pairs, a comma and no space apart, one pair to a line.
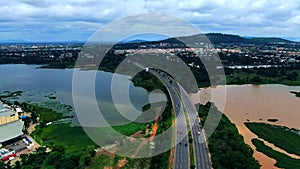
282,160
282,137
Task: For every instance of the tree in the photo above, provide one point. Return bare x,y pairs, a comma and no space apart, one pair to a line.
17,165
256,79
292,76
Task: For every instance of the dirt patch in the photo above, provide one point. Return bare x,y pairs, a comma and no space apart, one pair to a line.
105,152
122,163
138,134
108,167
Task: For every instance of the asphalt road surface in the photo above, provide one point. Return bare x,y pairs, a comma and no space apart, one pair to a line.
181,101
181,160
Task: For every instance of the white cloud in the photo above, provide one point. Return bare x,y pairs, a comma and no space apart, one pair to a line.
247,17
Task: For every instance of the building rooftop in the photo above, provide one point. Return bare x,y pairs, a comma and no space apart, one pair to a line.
5,111
11,130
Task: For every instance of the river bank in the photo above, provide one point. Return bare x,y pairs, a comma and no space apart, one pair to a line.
254,103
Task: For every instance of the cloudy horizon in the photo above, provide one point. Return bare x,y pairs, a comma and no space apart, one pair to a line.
68,20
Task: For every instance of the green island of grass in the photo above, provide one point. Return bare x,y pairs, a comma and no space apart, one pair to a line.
282,160
282,137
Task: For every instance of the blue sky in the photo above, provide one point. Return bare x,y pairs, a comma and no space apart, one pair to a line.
64,20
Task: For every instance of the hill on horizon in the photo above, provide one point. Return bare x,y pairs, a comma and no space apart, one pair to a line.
219,38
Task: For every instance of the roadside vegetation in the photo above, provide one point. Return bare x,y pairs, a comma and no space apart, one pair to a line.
282,160
226,145
283,137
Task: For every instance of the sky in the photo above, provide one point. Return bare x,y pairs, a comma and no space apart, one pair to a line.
67,20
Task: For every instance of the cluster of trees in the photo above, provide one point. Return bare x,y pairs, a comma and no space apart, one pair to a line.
57,158
273,73
226,145
261,75
148,81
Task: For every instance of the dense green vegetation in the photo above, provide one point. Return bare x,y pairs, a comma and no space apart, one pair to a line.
226,145
148,81
74,139
130,128
263,76
282,160
165,121
45,114
282,137
57,158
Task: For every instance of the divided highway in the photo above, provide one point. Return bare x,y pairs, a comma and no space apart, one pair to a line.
202,159
182,148
181,103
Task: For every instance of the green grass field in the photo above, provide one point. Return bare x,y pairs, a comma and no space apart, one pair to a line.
46,114
282,137
282,160
130,128
73,139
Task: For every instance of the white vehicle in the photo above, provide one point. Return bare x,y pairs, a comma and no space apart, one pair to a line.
199,132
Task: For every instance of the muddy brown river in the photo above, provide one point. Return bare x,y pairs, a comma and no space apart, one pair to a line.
255,103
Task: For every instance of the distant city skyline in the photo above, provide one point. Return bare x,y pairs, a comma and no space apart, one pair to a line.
55,20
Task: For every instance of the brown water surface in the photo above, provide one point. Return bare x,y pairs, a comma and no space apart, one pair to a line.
255,103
